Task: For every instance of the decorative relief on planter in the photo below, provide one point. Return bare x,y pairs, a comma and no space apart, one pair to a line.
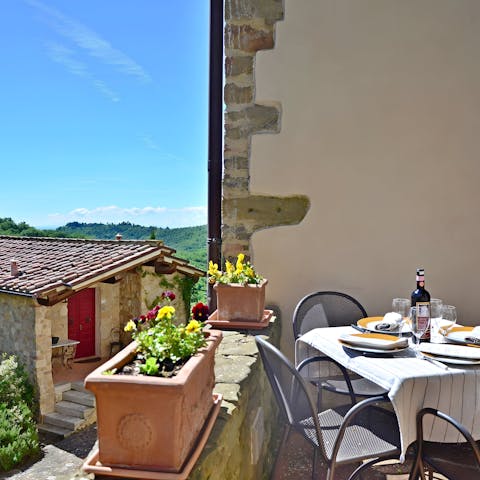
135,431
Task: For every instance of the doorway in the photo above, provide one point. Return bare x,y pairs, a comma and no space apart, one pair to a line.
81,322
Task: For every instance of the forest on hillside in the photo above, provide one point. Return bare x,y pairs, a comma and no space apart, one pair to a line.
189,242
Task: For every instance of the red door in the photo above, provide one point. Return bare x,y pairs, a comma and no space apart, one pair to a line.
81,321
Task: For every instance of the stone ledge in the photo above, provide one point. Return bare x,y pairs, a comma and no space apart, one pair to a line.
242,381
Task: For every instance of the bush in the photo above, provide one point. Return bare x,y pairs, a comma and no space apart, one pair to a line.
18,432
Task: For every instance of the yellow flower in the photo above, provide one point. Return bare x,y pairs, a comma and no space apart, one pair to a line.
213,269
240,259
229,268
166,312
130,326
193,326
249,271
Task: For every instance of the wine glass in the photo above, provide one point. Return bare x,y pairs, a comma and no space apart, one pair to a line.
449,318
419,324
436,320
402,307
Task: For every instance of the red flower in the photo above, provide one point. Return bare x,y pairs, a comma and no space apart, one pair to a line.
169,294
200,312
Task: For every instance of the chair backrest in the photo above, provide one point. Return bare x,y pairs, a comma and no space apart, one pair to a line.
475,450
326,309
291,392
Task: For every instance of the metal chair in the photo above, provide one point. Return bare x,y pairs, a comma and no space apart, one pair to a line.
456,461
341,436
332,309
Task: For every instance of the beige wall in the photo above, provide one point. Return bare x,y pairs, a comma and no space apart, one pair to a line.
380,128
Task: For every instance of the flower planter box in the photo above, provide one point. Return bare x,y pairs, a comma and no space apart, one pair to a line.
237,302
152,423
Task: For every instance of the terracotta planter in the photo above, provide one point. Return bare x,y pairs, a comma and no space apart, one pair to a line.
240,302
152,423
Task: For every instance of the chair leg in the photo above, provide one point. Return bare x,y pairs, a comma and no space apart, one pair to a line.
314,464
286,434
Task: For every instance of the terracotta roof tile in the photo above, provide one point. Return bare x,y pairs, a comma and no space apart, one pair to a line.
47,263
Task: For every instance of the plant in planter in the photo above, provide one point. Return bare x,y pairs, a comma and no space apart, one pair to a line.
155,396
240,291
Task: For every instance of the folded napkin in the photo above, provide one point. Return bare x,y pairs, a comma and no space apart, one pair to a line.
374,340
474,336
391,321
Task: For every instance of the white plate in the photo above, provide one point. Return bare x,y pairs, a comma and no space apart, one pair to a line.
373,350
452,360
370,323
460,334
451,350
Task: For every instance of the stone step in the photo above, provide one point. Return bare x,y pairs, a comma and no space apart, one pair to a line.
60,388
83,398
64,421
74,409
49,428
79,387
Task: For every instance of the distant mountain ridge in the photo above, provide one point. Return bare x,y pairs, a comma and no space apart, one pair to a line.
184,238
190,242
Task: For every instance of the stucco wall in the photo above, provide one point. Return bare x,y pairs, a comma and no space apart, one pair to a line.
380,117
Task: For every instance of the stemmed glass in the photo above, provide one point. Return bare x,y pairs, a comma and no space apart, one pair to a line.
419,324
402,307
449,318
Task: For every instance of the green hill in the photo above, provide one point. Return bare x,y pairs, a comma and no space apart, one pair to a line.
185,239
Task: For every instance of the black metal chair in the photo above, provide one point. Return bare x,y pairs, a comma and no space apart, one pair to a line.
332,309
344,435
456,461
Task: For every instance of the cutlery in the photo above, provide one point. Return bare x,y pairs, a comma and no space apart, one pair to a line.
435,362
365,330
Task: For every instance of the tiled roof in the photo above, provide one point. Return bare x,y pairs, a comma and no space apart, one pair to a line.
53,264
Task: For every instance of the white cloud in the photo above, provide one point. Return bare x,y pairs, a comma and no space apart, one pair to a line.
65,56
155,216
88,40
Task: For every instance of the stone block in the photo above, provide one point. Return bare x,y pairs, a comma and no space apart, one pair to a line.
263,211
238,65
263,118
248,38
236,163
270,10
235,94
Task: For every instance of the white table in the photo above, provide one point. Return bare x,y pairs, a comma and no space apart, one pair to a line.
65,350
412,384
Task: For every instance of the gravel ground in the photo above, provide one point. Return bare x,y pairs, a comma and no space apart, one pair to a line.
60,458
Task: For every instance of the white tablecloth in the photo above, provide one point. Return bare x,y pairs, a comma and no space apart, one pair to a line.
412,383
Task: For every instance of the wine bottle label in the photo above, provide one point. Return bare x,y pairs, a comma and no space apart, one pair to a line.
423,318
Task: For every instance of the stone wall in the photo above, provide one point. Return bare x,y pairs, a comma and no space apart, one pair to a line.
250,27
249,412
17,326
107,311
43,359
154,284
58,318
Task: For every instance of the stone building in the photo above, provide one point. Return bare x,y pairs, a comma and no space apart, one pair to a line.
84,290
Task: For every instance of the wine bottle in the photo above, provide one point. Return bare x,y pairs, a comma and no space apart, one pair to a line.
421,300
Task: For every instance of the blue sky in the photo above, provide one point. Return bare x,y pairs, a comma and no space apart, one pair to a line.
104,111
